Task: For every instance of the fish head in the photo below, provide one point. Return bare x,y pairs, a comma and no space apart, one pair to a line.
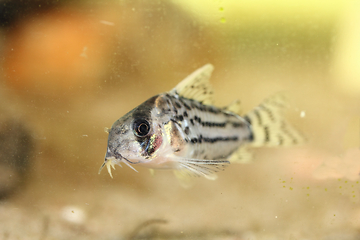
135,138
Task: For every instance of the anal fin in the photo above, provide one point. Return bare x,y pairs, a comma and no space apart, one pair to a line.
242,155
185,180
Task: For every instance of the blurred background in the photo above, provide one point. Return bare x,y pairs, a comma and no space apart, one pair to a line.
68,69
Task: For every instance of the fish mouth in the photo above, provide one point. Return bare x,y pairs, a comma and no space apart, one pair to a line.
110,162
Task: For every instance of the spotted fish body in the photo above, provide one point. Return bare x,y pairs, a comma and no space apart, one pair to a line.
182,130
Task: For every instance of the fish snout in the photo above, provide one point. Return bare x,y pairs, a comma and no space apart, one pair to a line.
109,154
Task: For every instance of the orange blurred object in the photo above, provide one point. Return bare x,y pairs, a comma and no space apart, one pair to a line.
57,51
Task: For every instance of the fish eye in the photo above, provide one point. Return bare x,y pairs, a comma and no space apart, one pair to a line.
141,127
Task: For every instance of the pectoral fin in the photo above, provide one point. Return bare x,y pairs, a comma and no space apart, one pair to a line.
186,180
200,167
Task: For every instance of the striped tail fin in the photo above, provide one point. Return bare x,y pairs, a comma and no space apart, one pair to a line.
269,126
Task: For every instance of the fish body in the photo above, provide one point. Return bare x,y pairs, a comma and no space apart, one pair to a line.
182,130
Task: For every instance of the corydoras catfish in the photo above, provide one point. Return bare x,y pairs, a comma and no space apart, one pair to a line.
182,130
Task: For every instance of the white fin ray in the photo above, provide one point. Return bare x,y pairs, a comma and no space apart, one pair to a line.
196,86
152,171
191,170
211,177
269,126
200,167
124,161
186,181
186,177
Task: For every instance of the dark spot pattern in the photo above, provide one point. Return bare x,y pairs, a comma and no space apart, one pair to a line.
267,134
187,130
213,140
207,127
268,111
258,117
247,119
180,117
199,106
251,136
238,124
187,106
117,130
218,139
197,119
286,132
213,124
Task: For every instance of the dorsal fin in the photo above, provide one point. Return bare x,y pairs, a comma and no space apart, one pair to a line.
196,86
234,107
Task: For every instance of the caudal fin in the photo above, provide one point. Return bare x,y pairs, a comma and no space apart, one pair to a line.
269,126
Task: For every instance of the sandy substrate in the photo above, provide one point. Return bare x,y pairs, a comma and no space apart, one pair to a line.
264,200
